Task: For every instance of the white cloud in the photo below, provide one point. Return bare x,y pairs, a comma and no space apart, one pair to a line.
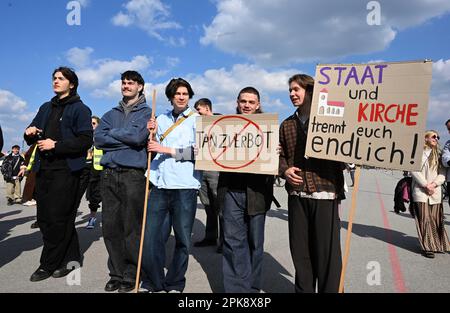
79,57
172,61
221,86
14,117
84,3
285,31
10,103
122,19
152,16
439,106
104,71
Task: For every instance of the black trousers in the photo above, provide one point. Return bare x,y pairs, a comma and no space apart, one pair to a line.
56,196
208,197
85,176
90,183
314,239
93,192
123,192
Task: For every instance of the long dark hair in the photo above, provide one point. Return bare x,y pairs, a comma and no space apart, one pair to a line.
70,75
307,83
176,83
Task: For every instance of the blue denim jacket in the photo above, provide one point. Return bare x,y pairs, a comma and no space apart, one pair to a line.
123,138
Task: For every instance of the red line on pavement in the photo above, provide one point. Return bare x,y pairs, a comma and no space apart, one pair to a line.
395,263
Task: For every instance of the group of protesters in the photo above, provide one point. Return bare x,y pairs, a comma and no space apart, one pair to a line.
236,203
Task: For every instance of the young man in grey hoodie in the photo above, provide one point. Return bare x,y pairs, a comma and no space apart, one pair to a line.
122,135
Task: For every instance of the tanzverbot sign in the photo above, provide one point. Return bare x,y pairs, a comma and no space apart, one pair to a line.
370,114
238,143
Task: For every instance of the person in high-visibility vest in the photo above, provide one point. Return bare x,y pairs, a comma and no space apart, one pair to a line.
93,190
90,181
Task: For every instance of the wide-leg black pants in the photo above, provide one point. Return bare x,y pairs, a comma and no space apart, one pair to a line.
123,195
56,195
314,239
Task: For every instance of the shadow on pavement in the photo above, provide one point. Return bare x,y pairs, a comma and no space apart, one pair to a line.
273,277
87,237
9,213
280,213
392,237
12,248
7,226
208,258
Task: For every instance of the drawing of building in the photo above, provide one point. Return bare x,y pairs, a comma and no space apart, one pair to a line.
330,108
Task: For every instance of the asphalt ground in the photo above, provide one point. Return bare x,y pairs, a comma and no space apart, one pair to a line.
385,255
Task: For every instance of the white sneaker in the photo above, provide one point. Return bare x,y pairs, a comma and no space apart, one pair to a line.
30,203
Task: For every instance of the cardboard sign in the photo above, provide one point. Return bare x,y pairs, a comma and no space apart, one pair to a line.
238,143
370,114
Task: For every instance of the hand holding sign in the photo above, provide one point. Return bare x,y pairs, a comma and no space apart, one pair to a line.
238,143
370,114
292,177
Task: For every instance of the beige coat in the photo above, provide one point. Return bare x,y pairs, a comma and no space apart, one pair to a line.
424,177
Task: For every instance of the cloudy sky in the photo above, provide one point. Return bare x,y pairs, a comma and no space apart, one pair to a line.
220,46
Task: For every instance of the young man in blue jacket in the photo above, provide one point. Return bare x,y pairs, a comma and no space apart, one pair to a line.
122,135
63,132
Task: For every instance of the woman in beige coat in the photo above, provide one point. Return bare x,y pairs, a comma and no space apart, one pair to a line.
427,199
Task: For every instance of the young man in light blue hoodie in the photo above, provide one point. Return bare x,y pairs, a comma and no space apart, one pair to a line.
122,135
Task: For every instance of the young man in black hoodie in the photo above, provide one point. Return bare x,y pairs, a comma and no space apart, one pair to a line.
63,132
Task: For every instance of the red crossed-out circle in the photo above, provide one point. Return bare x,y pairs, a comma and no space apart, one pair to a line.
249,122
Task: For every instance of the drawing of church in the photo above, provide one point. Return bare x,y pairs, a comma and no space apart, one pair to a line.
330,108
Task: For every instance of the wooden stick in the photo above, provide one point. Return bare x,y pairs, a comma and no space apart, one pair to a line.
349,228
144,215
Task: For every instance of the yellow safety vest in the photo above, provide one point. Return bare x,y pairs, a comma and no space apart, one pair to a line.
96,159
31,162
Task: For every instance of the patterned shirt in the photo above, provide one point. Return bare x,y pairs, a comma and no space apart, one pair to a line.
318,175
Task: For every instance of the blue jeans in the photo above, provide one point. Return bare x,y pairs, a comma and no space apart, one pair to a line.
165,206
243,247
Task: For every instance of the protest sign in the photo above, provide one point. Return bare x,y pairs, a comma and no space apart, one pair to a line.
238,143
370,114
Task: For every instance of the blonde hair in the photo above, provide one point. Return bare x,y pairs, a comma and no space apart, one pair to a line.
433,159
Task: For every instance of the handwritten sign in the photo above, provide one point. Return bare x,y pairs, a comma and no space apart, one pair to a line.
370,114
238,143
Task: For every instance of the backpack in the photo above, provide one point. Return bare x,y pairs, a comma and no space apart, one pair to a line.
402,194
7,168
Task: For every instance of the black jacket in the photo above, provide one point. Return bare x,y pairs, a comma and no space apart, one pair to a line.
259,189
11,166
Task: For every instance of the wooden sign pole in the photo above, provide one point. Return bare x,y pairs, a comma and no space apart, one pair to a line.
349,228
144,215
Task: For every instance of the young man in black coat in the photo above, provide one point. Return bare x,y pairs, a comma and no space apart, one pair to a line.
63,132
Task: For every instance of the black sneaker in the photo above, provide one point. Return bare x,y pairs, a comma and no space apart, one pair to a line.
10,201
